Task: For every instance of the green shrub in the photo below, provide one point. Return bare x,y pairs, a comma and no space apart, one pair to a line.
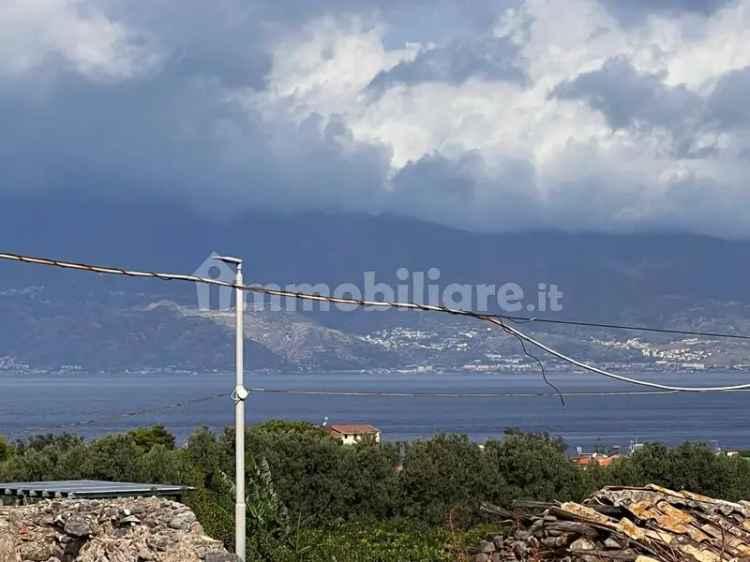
443,478
6,450
531,466
148,437
312,498
691,466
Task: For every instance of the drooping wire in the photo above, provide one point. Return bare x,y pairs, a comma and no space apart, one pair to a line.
501,321
541,368
116,270
580,364
626,327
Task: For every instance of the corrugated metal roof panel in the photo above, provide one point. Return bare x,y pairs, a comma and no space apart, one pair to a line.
89,488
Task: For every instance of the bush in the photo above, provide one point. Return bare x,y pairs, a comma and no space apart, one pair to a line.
39,442
312,498
286,426
691,466
114,457
532,466
443,478
317,477
148,437
6,450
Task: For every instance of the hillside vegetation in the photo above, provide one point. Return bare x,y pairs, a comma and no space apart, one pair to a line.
310,498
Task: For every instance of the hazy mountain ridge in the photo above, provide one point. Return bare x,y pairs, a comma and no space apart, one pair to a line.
51,317
42,334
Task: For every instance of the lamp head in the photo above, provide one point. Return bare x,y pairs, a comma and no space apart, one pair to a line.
236,262
229,259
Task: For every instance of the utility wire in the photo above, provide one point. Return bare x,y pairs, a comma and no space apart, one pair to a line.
132,413
542,370
499,321
389,395
467,395
111,270
626,327
511,330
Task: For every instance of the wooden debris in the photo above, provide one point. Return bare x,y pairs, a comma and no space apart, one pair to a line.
649,524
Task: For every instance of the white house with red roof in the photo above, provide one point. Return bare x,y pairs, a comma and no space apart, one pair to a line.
353,433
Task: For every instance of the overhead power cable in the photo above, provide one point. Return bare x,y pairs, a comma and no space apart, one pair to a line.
542,370
387,395
111,270
500,321
392,395
467,395
156,410
626,327
580,364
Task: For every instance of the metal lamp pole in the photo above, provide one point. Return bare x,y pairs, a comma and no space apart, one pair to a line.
240,395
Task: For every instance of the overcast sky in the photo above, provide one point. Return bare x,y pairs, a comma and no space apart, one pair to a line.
592,115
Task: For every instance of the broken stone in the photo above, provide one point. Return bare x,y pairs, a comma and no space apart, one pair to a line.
77,527
83,531
486,547
220,557
182,522
582,544
520,549
609,542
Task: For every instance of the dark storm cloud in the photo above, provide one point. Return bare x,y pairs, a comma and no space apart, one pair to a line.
486,58
478,196
630,99
176,136
202,124
175,132
627,97
728,106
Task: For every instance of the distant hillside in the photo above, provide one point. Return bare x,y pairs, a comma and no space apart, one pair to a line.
37,333
51,318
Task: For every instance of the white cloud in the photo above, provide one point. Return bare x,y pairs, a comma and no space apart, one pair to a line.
69,34
278,107
697,51
585,174
326,66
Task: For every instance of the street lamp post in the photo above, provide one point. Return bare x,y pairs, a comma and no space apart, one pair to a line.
240,395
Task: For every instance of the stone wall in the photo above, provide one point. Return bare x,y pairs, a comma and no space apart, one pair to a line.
120,530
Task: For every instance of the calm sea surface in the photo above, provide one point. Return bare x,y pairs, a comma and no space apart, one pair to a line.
91,404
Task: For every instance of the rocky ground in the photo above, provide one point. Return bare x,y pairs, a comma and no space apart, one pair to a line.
121,530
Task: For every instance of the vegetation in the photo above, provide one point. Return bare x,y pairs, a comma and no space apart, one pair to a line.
5,449
310,498
149,437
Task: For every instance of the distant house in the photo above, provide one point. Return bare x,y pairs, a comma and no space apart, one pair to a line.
586,460
350,433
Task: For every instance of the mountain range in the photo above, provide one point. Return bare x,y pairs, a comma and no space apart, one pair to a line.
60,319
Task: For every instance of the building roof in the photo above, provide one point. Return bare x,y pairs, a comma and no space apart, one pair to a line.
353,428
88,489
601,460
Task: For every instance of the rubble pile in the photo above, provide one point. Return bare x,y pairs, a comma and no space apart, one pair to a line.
118,530
649,524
